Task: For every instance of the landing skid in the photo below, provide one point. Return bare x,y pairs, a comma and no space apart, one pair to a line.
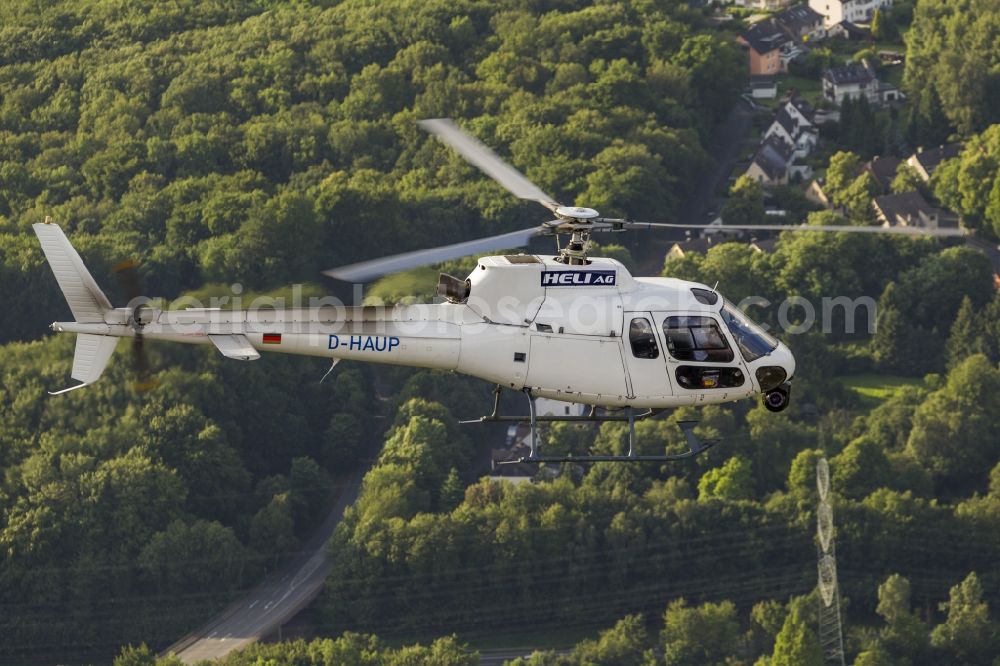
695,445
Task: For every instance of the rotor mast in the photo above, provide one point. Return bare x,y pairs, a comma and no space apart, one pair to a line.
578,222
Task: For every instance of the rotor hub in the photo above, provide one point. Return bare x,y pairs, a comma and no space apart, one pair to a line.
576,212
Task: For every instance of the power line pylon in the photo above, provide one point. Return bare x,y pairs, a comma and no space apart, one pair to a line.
831,632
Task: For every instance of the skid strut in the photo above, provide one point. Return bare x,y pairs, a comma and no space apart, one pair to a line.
695,445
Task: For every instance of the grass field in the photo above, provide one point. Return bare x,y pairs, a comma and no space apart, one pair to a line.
810,89
875,389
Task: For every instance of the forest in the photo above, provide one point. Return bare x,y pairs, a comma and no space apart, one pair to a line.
259,142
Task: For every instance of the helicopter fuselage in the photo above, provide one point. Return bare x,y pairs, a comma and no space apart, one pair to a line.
590,334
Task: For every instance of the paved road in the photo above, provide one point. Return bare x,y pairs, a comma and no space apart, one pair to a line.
724,147
276,599
991,250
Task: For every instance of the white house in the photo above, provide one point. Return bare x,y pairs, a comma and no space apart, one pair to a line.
790,125
801,22
855,11
853,80
801,111
768,5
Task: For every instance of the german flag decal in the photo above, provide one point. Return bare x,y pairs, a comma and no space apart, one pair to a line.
272,338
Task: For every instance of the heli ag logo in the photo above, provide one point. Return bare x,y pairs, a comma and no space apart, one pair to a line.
578,278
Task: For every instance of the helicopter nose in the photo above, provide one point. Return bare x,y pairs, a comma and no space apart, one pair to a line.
782,356
776,368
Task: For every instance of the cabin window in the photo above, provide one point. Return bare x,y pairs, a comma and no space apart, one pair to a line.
752,340
698,377
696,339
640,334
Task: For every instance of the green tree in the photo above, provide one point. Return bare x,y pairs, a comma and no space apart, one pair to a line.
199,557
967,634
625,643
766,619
968,184
966,338
703,634
904,636
860,468
857,198
907,180
796,644
946,58
343,442
731,481
843,169
135,656
802,474
879,27
875,655
309,487
745,204
452,490
954,434
272,529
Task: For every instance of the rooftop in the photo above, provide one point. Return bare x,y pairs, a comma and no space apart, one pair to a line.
701,244
930,158
803,107
773,157
765,36
850,73
883,169
783,118
798,18
907,207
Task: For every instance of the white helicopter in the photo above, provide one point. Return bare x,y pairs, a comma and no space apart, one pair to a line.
569,326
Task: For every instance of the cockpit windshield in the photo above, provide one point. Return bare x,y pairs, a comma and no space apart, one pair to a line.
752,340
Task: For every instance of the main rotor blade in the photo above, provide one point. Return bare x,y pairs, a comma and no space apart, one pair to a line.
366,271
903,231
489,162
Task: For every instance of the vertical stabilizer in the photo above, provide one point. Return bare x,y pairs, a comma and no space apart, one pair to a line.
86,300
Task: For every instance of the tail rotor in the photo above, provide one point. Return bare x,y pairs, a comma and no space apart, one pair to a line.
128,277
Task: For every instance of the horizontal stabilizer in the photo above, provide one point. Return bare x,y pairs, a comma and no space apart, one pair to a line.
235,346
92,355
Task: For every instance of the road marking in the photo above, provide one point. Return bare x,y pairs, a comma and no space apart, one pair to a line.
306,571
256,601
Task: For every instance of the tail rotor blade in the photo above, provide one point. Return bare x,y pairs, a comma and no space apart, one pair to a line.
144,380
128,277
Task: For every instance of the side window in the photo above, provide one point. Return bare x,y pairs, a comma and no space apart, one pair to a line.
696,339
640,334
